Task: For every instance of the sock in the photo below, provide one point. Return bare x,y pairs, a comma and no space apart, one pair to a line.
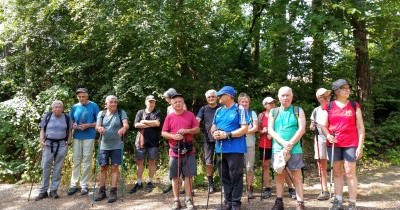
339,197
150,180
352,200
139,181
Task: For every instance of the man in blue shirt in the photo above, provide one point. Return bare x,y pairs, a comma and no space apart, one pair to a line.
83,116
229,128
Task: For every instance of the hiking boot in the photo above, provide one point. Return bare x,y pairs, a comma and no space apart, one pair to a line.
135,188
266,193
176,205
189,204
149,186
113,195
53,194
300,205
72,190
168,189
278,205
101,194
336,205
84,191
352,206
41,196
292,193
250,193
323,196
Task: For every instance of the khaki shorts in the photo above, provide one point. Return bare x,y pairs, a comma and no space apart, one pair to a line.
249,159
322,149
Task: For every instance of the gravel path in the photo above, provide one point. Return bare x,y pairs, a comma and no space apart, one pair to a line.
378,189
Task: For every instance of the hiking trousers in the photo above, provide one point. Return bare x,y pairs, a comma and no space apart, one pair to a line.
49,162
232,177
82,158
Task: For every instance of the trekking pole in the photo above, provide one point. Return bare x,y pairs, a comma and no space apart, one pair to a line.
247,185
122,185
332,158
34,163
96,168
179,166
262,173
220,165
208,191
319,157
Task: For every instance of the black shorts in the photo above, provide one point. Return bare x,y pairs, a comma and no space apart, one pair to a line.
268,153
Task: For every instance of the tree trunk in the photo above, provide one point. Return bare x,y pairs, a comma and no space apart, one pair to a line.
255,38
318,48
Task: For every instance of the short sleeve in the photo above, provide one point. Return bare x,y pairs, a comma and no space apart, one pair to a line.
138,116
166,124
200,114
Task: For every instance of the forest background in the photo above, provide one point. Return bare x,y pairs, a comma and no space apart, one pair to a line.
133,48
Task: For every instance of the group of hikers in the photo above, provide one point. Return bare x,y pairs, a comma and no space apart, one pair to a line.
229,131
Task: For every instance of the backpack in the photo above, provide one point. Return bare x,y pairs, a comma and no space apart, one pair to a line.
276,112
47,119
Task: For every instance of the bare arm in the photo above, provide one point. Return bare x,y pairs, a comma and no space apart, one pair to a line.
167,135
361,133
125,127
301,130
254,129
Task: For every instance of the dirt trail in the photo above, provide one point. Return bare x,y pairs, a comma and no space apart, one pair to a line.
378,189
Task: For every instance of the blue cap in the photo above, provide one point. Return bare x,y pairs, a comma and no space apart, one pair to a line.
227,90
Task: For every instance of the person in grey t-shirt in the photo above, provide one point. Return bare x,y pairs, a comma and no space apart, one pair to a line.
112,124
54,135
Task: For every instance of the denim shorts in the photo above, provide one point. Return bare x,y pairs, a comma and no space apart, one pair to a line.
152,153
343,153
106,155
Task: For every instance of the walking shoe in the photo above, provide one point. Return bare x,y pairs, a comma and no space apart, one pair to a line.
235,208
113,195
266,193
278,204
352,206
176,205
250,193
135,188
149,186
292,193
226,206
101,194
323,196
84,191
53,194
72,190
189,204
300,205
41,196
336,205
168,189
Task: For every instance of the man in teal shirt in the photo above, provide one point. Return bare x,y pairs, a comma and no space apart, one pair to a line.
286,128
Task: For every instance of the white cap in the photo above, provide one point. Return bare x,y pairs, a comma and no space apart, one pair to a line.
268,100
321,92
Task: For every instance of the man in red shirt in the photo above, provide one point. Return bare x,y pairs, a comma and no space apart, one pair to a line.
179,128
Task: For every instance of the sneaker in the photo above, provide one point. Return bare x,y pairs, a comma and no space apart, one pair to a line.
323,196
84,191
53,194
72,190
352,206
266,193
292,193
136,188
300,205
168,189
336,205
149,186
250,193
41,196
101,194
189,204
278,205
176,205
113,195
